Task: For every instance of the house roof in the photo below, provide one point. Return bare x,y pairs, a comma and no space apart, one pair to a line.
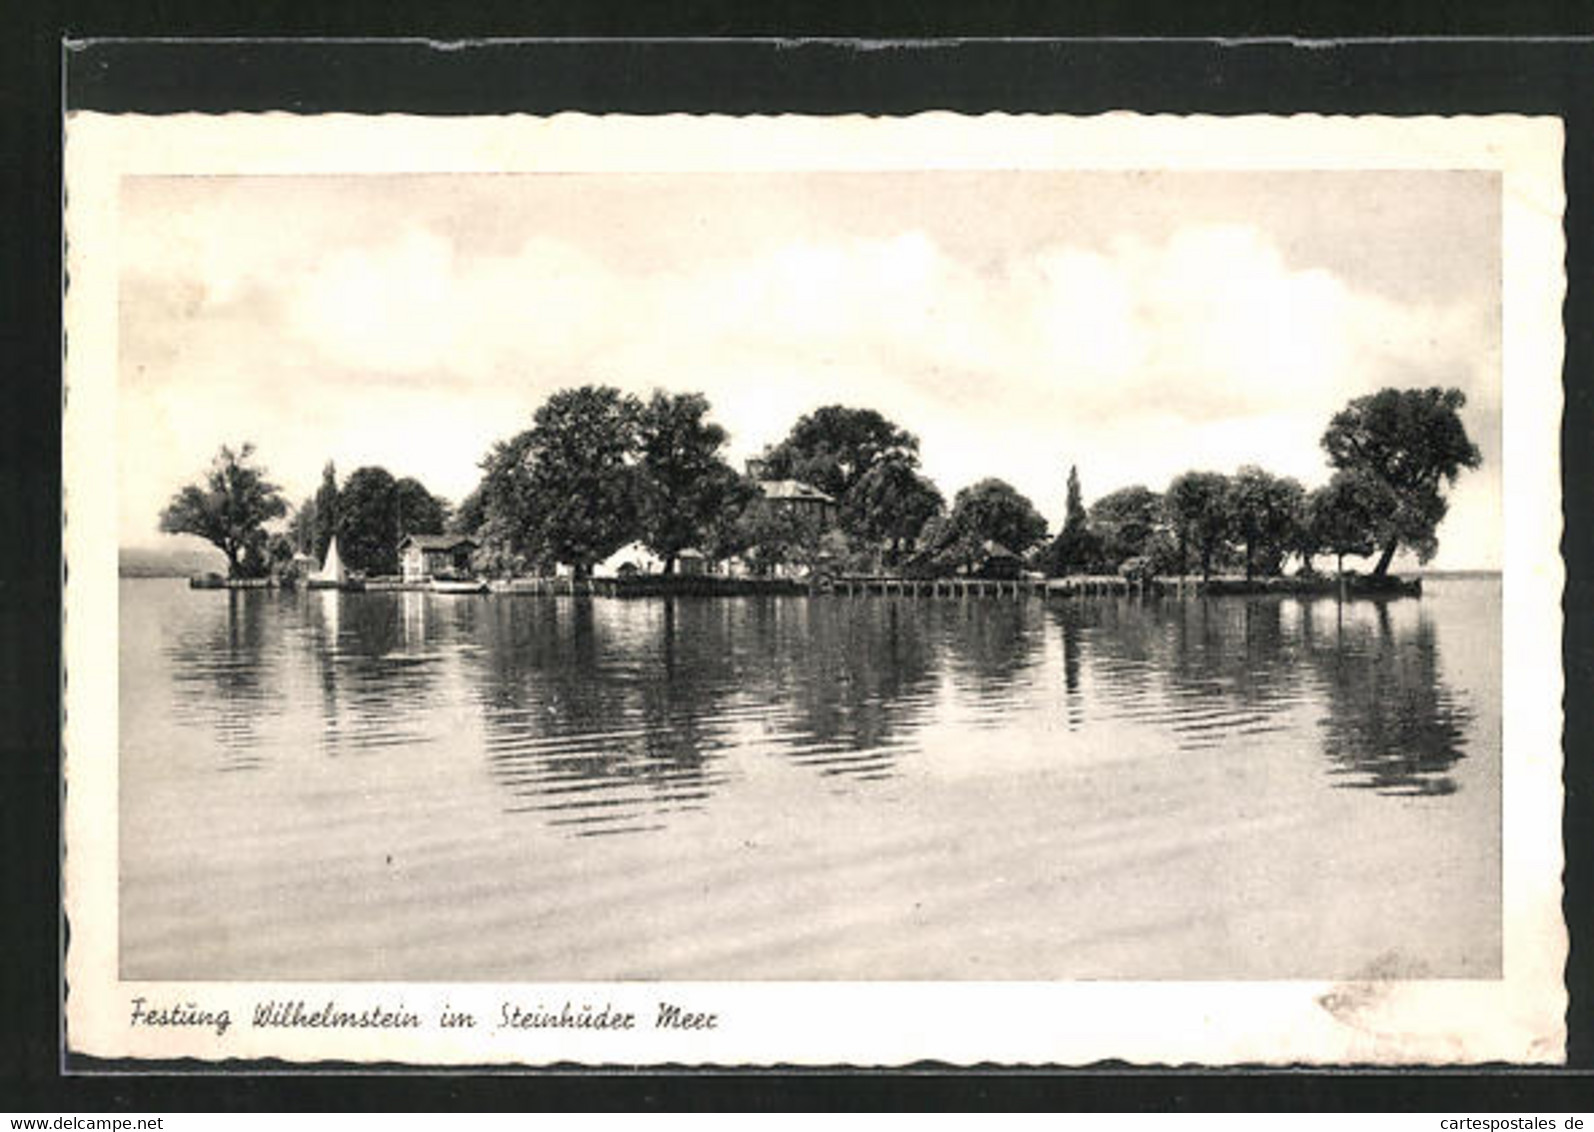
793,489
994,549
437,542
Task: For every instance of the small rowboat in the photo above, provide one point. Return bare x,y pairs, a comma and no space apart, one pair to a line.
458,586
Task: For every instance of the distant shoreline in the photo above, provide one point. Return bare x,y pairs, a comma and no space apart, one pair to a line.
152,572
141,562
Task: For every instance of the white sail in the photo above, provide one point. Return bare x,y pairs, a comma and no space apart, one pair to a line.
332,568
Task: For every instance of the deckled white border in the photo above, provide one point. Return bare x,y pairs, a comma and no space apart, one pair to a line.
1516,1019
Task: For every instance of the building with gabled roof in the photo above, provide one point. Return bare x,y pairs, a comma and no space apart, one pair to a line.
426,556
801,497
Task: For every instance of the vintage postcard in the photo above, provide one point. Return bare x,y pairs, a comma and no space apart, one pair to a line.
781,591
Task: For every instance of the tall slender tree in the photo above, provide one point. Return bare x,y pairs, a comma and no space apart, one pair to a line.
326,511
1074,550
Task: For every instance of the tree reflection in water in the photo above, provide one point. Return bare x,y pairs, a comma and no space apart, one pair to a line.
1206,669
1214,670
226,674
605,727
1233,670
378,658
1118,639
841,680
1073,641
991,646
607,717
1392,724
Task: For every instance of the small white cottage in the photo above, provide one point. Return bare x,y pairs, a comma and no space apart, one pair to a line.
632,558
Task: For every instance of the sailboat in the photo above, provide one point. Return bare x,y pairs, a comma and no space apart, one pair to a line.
332,575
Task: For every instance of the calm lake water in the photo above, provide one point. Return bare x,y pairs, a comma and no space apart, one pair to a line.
426,787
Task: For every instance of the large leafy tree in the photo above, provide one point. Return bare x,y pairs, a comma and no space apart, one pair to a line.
727,532
833,448
1125,521
989,511
1350,515
368,522
684,481
1306,532
1264,510
278,552
773,535
889,505
375,512
1197,507
229,509
1414,443
566,489
470,515
301,526
507,526
416,510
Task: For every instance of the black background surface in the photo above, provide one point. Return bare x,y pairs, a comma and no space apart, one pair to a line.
881,73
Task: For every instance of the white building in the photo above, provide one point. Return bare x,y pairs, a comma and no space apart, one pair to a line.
632,557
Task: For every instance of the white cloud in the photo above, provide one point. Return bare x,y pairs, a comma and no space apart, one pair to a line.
393,309
1204,349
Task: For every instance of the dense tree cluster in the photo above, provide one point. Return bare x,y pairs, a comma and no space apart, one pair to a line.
989,518
370,515
599,469
1392,452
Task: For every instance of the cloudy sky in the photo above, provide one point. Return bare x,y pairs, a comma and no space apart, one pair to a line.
1134,324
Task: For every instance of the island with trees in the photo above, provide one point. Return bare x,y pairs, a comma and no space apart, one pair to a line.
640,493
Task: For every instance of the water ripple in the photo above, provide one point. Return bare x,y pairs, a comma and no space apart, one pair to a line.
644,708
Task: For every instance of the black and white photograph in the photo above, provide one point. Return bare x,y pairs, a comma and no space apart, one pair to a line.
614,591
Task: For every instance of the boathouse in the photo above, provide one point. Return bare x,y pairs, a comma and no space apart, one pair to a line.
427,556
